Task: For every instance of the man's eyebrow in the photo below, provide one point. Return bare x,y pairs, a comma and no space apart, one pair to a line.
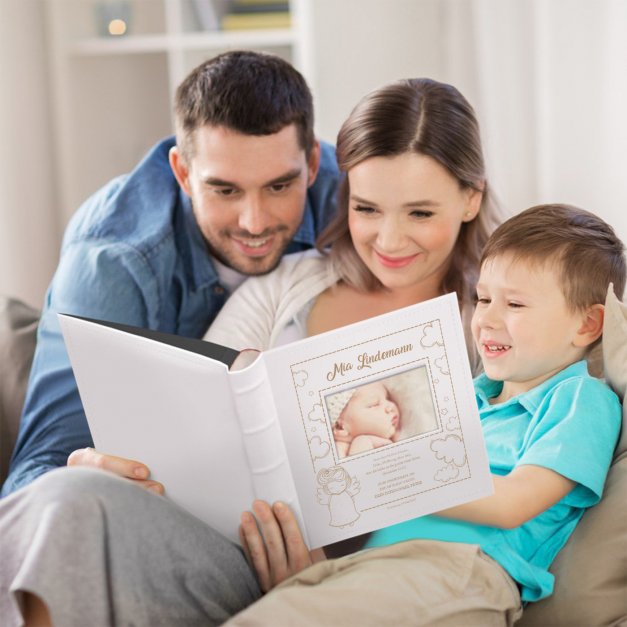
284,178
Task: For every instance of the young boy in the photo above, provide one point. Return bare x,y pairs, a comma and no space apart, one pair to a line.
550,431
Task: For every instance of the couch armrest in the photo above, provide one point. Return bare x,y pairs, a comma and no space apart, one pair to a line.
18,329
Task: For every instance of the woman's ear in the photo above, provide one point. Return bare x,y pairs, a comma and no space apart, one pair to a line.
591,327
473,203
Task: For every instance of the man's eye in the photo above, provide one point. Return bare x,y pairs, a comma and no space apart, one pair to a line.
482,300
279,187
225,191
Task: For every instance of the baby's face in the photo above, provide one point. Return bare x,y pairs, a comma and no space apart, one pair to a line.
370,411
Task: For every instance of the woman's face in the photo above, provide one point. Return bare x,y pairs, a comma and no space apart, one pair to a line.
405,213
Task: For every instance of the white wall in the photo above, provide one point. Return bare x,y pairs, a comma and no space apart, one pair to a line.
548,81
27,190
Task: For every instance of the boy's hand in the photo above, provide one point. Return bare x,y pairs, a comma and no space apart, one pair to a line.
274,544
127,468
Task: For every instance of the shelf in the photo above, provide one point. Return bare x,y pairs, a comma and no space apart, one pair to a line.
183,41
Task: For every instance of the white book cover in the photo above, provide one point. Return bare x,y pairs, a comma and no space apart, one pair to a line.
218,438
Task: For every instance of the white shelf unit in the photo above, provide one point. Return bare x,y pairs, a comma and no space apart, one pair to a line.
113,95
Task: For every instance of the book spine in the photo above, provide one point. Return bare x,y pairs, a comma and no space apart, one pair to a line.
263,440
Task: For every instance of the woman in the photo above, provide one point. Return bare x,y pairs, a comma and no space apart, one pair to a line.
414,214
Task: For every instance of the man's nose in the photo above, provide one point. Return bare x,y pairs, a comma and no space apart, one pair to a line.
253,218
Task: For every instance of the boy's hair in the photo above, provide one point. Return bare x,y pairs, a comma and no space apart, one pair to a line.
584,250
249,92
416,116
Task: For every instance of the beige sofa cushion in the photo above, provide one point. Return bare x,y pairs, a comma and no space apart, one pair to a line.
18,328
591,570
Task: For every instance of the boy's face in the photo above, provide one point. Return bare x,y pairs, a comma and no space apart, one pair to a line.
370,411
522,326
248,192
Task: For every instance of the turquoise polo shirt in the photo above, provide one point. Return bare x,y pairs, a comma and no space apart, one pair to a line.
569,424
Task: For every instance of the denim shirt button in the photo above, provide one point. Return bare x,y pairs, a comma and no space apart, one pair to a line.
218,289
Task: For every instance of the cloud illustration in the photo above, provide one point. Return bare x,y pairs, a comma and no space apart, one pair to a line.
450,449
430,336
442,365
452,424
318,448
300,378
446,473
316,412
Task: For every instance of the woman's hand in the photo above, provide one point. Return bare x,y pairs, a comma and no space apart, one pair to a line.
273,543
127,468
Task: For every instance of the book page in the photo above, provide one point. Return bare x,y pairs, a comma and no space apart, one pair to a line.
380,421
169,408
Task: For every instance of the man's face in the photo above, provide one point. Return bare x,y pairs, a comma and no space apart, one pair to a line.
248,193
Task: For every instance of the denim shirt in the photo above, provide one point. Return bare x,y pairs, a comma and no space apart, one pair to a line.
133,253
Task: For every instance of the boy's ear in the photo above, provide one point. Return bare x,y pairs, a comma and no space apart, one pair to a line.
592,326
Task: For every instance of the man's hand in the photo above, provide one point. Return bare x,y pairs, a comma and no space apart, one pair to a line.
274,545
127,468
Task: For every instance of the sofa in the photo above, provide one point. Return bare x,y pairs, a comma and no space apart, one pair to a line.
590,571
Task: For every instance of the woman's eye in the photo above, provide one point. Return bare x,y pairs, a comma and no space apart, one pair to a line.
364,209
421,214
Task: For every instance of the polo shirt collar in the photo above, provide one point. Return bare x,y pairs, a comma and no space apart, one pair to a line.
486,388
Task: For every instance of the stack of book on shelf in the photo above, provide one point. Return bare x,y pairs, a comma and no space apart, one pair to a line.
251,14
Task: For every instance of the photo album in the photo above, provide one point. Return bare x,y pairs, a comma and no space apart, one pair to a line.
355,429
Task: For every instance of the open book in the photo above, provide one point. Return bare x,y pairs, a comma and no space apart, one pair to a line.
286,426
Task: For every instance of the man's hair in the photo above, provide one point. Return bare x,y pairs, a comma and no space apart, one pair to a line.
583,249
424,117
249,92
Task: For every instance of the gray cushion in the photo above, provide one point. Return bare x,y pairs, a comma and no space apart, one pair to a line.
18,328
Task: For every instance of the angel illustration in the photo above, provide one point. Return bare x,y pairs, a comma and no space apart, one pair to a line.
337,491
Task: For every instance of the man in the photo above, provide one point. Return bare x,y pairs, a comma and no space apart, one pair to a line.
163,246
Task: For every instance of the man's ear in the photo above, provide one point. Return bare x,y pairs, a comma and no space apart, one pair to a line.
313,163
591,327
179,168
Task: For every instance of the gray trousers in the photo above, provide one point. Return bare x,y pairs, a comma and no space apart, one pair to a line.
101,551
